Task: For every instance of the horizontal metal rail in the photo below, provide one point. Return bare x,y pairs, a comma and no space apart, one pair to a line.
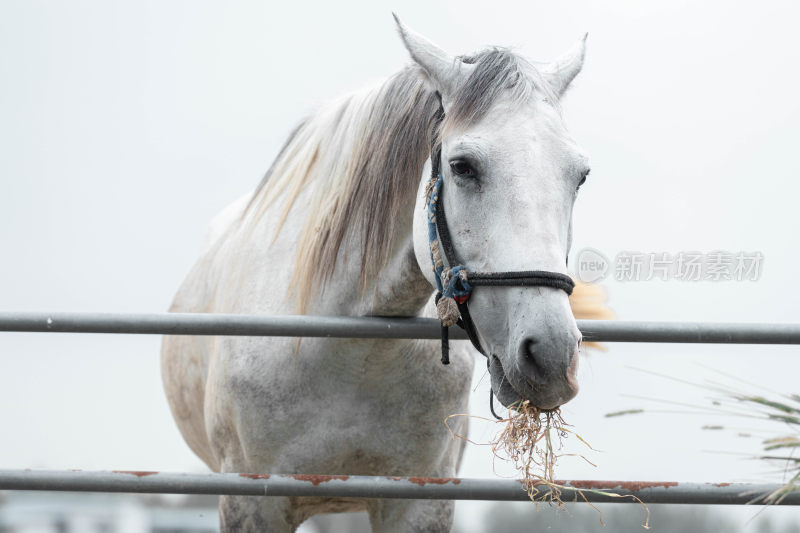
378,327
384,487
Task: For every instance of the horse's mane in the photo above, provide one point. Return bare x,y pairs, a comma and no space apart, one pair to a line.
364,156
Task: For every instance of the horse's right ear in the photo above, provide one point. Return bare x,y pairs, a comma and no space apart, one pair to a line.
443,70
560,73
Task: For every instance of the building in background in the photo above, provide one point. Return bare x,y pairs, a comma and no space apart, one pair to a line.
64,512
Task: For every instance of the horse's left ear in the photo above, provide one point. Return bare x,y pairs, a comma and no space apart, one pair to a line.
560,73
444,71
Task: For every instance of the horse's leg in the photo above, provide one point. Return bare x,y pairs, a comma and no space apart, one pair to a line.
255,513
396,516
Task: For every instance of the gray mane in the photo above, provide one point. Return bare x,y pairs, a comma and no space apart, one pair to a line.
365,156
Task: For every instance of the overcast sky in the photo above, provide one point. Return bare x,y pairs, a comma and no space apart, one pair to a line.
125,127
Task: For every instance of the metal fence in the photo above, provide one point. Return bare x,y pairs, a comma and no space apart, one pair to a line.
375,486
385,487
379,327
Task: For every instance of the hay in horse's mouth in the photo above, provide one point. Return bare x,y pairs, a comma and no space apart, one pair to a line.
531,440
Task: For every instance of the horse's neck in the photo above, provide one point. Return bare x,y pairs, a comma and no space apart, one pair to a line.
399,289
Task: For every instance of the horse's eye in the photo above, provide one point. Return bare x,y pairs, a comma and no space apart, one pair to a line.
462,168
583,179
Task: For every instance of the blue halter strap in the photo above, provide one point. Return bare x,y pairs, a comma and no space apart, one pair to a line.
451,283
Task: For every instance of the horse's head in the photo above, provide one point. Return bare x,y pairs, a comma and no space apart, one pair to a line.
511,173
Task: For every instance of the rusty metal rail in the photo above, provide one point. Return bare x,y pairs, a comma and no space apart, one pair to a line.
381,487
378,327
384,487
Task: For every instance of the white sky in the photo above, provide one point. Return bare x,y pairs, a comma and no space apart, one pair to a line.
126,126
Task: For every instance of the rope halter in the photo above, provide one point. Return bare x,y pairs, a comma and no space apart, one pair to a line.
454,282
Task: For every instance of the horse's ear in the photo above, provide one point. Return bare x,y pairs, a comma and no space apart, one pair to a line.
560,73
444,71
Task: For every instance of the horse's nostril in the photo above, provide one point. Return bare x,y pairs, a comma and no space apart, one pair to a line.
530,358
530,344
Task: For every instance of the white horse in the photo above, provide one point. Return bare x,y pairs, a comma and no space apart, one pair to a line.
338,227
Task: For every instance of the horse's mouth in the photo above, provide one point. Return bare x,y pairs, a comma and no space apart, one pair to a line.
501,387
545,396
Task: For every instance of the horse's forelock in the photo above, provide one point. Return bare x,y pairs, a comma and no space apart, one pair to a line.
497,73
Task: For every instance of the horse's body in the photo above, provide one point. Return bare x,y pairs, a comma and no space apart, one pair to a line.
335,406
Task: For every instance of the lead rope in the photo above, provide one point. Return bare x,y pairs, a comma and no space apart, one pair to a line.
491,399
448,315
